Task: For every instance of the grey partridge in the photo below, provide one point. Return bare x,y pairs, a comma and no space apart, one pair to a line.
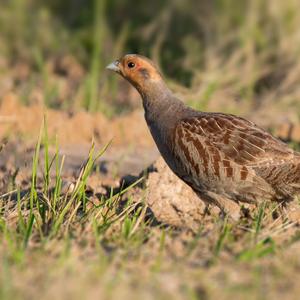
222,157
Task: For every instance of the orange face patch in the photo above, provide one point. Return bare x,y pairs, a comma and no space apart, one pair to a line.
143,68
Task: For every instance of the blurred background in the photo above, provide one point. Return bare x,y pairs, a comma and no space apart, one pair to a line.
239,57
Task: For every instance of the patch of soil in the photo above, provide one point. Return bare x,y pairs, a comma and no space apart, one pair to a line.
81,127
171,200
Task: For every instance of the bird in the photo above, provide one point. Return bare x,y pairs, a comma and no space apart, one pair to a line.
224,158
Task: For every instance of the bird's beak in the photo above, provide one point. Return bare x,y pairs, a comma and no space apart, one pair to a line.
114,66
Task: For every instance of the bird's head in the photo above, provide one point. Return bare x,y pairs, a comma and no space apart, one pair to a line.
138,70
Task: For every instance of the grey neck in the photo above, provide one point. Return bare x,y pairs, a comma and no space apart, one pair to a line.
158,100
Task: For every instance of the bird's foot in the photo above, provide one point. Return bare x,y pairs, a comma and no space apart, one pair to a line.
227,206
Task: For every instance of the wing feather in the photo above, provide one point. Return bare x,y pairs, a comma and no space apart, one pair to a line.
240,140
230,155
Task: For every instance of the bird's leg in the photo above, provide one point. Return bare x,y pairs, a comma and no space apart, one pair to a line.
227,206
210,205
282,212
206,210
289,212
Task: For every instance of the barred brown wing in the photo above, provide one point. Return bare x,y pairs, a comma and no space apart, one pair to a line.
230,155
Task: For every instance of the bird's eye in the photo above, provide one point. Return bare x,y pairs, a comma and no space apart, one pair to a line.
131,65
